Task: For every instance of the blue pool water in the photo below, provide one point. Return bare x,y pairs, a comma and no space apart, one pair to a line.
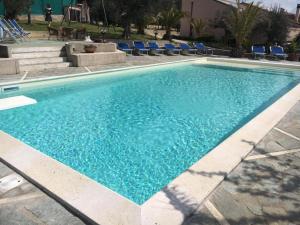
137,130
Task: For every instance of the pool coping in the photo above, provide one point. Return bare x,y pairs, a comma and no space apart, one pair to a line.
169,206
279,64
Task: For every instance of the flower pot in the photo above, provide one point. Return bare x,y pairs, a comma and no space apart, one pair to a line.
90,48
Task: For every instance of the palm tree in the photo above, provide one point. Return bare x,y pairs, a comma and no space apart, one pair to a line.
198,26
241,21
169,19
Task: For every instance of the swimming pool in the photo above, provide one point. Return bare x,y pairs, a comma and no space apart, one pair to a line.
136,131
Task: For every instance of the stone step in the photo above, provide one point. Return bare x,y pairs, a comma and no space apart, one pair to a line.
38,55
32,61
36,49
44,66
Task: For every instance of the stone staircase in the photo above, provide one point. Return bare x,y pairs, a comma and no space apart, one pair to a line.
40,58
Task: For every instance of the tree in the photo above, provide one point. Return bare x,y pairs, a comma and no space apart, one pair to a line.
15,7
128,12
278,25
198,26
122,12
271,28
28,10
240,23
170,19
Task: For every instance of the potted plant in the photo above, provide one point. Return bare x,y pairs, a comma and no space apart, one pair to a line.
292,52
90,48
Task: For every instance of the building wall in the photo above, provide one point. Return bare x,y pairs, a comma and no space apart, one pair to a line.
39,6
206,10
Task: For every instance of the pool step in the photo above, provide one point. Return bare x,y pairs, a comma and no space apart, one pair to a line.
41,58
36,49
275,71
29,55
46,60
44,66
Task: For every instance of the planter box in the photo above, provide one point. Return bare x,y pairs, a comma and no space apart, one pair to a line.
106,53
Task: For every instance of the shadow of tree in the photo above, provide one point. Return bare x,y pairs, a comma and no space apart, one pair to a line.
180,201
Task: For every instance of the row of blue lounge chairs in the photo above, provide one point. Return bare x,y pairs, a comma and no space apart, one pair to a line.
275,51
140,48
10,29
152,47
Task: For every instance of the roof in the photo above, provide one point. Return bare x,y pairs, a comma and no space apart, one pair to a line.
228,2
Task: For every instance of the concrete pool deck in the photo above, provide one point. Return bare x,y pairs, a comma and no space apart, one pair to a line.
259,191
176,211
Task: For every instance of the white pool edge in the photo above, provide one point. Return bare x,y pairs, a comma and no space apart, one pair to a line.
104,206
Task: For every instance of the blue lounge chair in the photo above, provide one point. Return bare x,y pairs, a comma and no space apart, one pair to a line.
186,48
201,48
153,46
13,28
1,34
170,49
258,51
124,47
19,28
140,48
10,27
7,31
278,52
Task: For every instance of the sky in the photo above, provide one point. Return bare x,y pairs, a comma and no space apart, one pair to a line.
289,5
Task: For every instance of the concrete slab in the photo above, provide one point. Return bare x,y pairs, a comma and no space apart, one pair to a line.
275,141
291,122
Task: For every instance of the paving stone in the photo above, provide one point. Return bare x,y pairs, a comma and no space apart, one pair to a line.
276,141
201,217
50,211
16,191
231,209
11,215
4,170
41,210
251,202
272,210
291,122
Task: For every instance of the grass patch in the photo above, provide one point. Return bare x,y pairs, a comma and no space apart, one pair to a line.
93,30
